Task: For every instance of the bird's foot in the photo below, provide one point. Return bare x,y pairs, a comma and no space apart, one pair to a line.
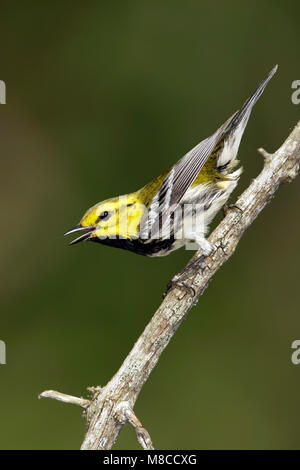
227,208
177,282
205,246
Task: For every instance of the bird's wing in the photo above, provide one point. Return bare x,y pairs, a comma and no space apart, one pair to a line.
178,180
185,171
188,167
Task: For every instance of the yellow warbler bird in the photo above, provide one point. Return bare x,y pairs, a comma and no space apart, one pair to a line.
176,207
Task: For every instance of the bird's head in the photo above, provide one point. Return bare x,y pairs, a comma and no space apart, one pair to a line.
114,218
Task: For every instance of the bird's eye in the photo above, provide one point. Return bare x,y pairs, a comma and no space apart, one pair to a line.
104,215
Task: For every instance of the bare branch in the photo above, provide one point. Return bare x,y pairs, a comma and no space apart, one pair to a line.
65,398
112,405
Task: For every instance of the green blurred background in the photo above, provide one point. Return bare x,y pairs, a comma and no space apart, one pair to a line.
101,97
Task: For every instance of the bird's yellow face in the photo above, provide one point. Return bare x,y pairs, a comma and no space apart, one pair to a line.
113,218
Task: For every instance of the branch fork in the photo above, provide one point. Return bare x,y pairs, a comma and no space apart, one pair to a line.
267,156
123,414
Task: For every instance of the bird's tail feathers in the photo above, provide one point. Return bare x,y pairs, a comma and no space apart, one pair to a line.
245,110
237,124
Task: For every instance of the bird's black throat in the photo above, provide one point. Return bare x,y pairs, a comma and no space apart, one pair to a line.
138,246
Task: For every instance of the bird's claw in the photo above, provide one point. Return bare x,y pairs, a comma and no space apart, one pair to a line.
227,208
175,282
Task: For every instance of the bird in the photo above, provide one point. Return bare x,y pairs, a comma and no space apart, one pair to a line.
177,207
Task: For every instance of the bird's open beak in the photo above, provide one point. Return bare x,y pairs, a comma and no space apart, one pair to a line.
82,238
